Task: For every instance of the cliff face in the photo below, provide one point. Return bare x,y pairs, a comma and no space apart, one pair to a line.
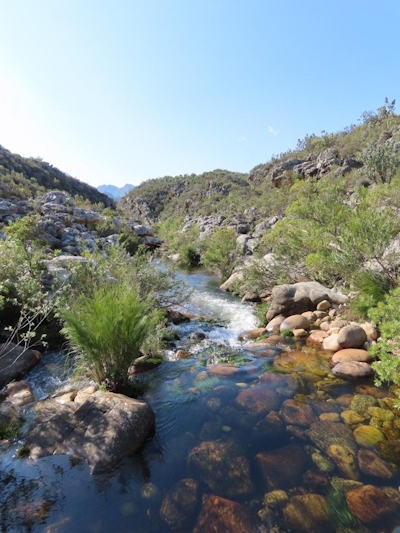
22,178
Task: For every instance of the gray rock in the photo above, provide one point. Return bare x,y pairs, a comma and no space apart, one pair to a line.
103,430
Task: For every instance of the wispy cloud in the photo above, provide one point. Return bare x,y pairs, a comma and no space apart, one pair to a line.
242,138
273,130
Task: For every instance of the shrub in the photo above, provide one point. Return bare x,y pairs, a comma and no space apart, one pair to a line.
107,330
220,254
372,287
381,161
386,317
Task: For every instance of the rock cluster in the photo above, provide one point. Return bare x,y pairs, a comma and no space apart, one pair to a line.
69,228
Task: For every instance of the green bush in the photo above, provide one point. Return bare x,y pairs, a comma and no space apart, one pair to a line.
372,287
107,330
381,161
386,317
220,254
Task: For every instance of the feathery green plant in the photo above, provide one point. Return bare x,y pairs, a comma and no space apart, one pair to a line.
106,330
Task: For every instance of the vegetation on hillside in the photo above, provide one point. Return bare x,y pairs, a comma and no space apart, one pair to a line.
22,178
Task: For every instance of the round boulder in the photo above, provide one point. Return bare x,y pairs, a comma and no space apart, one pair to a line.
351,354
295,322
331,343
352,337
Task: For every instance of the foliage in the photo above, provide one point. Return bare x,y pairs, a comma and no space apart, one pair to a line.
10,430
107,330
386,317
25,305
332,238
372,287
220,252
339,515
260,312
381,161
23,178
129,241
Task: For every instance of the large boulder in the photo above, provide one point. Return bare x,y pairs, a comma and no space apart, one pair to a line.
300,297
103,429
15,362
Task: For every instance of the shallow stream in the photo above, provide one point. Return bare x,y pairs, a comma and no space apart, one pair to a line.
221,422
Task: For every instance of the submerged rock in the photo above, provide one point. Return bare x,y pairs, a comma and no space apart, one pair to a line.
298,413
219,515
372,465
369,503
326,433
368,436
222,468
302,362
283,468
105,428
259,399
307,512
180,503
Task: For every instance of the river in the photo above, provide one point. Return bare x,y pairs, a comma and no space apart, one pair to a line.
205,405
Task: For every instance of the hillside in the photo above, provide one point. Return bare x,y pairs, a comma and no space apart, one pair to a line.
22,178
350,155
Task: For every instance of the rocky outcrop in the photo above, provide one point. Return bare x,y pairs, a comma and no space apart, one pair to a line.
300,297
103,429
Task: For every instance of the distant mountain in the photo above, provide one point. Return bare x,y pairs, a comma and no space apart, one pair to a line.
115,192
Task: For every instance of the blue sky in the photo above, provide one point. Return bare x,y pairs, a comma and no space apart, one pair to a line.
127,90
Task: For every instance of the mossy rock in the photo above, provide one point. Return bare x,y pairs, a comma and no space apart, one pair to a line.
368,436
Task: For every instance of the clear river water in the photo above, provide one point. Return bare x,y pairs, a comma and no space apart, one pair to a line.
217,423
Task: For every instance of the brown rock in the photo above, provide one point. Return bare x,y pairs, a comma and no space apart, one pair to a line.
295,322
368,436
251,334
345,459
302,362
352,337
316,337
352,369
372,465
219,515
223,369
369,503
351,354
306,513
258,399
331,343
300,333
222,468
18,393
372,333
298,414
180,503
275,323
283,468
324,305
